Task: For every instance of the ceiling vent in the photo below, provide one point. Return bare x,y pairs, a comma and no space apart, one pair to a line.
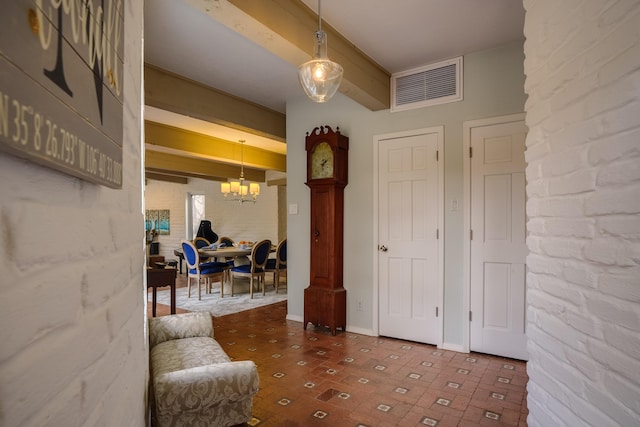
429,85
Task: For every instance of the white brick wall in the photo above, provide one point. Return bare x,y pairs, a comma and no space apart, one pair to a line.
583,152
72,314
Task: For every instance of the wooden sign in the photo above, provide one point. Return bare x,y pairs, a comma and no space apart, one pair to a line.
61,71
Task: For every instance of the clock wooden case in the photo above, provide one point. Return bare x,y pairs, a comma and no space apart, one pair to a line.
325,300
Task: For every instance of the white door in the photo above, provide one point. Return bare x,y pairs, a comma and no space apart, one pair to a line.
408,251
498,248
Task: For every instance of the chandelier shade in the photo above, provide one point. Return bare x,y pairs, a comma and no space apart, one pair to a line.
320,77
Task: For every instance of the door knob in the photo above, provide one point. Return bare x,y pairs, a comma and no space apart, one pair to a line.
382,248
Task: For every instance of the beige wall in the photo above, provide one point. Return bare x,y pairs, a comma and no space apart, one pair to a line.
72,310
493,86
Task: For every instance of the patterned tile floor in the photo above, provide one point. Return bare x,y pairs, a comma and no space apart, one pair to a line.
312,378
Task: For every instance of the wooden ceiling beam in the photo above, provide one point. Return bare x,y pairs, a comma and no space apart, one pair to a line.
187,143
166,178
198,168
170,92
182,174
286,27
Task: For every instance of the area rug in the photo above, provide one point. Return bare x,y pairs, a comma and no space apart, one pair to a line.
217,306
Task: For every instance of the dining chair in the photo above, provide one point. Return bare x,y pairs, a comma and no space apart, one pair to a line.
201,242
228,241
255,269
208,271
278,264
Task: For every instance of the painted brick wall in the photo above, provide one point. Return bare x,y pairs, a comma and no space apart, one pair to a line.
583,151
249,221
72,314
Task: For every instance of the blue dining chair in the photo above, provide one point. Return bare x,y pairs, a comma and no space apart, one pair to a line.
278,264
208,271
255,269
228,243
201,242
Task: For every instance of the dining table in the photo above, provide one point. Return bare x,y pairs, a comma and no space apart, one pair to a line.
226,252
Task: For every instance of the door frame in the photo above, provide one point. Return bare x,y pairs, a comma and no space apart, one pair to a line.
439,130
467,128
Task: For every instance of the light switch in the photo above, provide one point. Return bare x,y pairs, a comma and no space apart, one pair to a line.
293,209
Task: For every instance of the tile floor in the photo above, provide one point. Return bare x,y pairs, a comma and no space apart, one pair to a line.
312,378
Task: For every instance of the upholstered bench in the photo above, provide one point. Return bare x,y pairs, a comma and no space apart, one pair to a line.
193,381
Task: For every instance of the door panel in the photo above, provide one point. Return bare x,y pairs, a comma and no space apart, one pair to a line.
408,185
498,248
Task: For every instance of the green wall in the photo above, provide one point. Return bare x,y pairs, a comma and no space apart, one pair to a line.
493,86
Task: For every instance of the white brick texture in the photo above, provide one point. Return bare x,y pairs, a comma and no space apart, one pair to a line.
73,345
583,151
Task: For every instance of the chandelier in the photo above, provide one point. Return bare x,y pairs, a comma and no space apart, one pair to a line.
239,191
320,77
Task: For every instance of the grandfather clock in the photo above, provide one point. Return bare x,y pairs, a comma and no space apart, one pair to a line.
325,300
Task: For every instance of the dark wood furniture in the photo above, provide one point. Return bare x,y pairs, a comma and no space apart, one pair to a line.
159,278
325,300
180,255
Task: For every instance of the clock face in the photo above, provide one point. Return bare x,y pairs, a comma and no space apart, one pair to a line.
322,161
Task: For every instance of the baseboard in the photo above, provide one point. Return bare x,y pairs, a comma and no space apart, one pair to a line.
453,347
295,318
353,329
361,331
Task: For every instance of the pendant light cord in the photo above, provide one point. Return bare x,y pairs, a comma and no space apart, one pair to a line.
242,159
319,16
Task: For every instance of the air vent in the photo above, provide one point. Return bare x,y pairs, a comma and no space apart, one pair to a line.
430,85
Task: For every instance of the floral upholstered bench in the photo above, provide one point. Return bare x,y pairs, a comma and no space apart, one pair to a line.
193,381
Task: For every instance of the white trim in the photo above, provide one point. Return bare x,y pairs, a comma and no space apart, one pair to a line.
467,127
361,331
295,318
376,141
453,347
352,329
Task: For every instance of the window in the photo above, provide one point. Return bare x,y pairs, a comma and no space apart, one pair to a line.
195,213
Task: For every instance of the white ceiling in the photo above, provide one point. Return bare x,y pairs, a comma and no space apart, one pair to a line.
398,35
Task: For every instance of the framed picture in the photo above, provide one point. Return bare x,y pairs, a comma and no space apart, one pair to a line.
158,220
163,221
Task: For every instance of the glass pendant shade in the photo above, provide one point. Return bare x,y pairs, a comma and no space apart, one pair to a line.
320,77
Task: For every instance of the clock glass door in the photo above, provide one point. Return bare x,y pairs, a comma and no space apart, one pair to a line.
322,161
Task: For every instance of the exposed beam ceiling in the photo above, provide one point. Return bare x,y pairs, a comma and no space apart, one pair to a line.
172,164
159,137
238,58
170,92
292,21
167,178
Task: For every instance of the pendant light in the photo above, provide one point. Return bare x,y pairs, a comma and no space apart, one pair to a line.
320,77
239,190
